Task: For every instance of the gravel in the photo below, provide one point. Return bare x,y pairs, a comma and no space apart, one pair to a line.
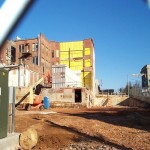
88,146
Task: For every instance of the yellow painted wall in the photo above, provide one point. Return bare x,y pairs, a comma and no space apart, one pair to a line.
87,79
87,63
78,45
87,51
76,51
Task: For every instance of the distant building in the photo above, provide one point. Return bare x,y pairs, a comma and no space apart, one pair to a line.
107,91
145,71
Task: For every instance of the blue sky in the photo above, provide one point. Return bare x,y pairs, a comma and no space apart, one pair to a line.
120,30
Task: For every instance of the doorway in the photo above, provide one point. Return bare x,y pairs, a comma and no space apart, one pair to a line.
78,96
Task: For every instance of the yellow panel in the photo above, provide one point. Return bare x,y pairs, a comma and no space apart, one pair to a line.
87,51
77,45
82,79
64,62
76,65
87,63
86,77
76,51
64,55
86,74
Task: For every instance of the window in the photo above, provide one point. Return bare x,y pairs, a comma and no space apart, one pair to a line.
57,53
87,51
34,46
52,53
87,63
35,60
21,48
27,47
13,54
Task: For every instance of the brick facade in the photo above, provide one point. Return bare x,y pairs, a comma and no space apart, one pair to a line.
44,54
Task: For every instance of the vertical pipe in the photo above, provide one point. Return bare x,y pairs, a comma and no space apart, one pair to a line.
69,57
83,63
39,48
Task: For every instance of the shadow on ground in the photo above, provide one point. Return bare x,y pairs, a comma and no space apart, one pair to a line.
86,137
137,118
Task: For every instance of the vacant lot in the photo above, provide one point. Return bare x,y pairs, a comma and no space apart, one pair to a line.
99,128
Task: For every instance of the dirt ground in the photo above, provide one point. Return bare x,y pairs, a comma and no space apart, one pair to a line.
96,128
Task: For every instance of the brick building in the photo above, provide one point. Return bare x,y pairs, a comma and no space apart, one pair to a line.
8,53
44,53
37,55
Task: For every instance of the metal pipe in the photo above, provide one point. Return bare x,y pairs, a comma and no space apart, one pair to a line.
39,47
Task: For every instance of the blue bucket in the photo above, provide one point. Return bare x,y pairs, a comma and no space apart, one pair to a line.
46,102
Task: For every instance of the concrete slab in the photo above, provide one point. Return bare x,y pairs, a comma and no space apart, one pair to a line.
11,142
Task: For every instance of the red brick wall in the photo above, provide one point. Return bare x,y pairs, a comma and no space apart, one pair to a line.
88,43
54,46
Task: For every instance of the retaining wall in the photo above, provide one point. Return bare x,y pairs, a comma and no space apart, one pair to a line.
114,100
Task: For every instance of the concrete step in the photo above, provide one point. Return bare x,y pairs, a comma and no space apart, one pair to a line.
11,142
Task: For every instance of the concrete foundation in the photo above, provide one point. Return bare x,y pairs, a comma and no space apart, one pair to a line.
11,142
108,100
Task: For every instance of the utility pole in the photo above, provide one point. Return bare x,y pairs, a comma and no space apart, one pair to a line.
128,84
